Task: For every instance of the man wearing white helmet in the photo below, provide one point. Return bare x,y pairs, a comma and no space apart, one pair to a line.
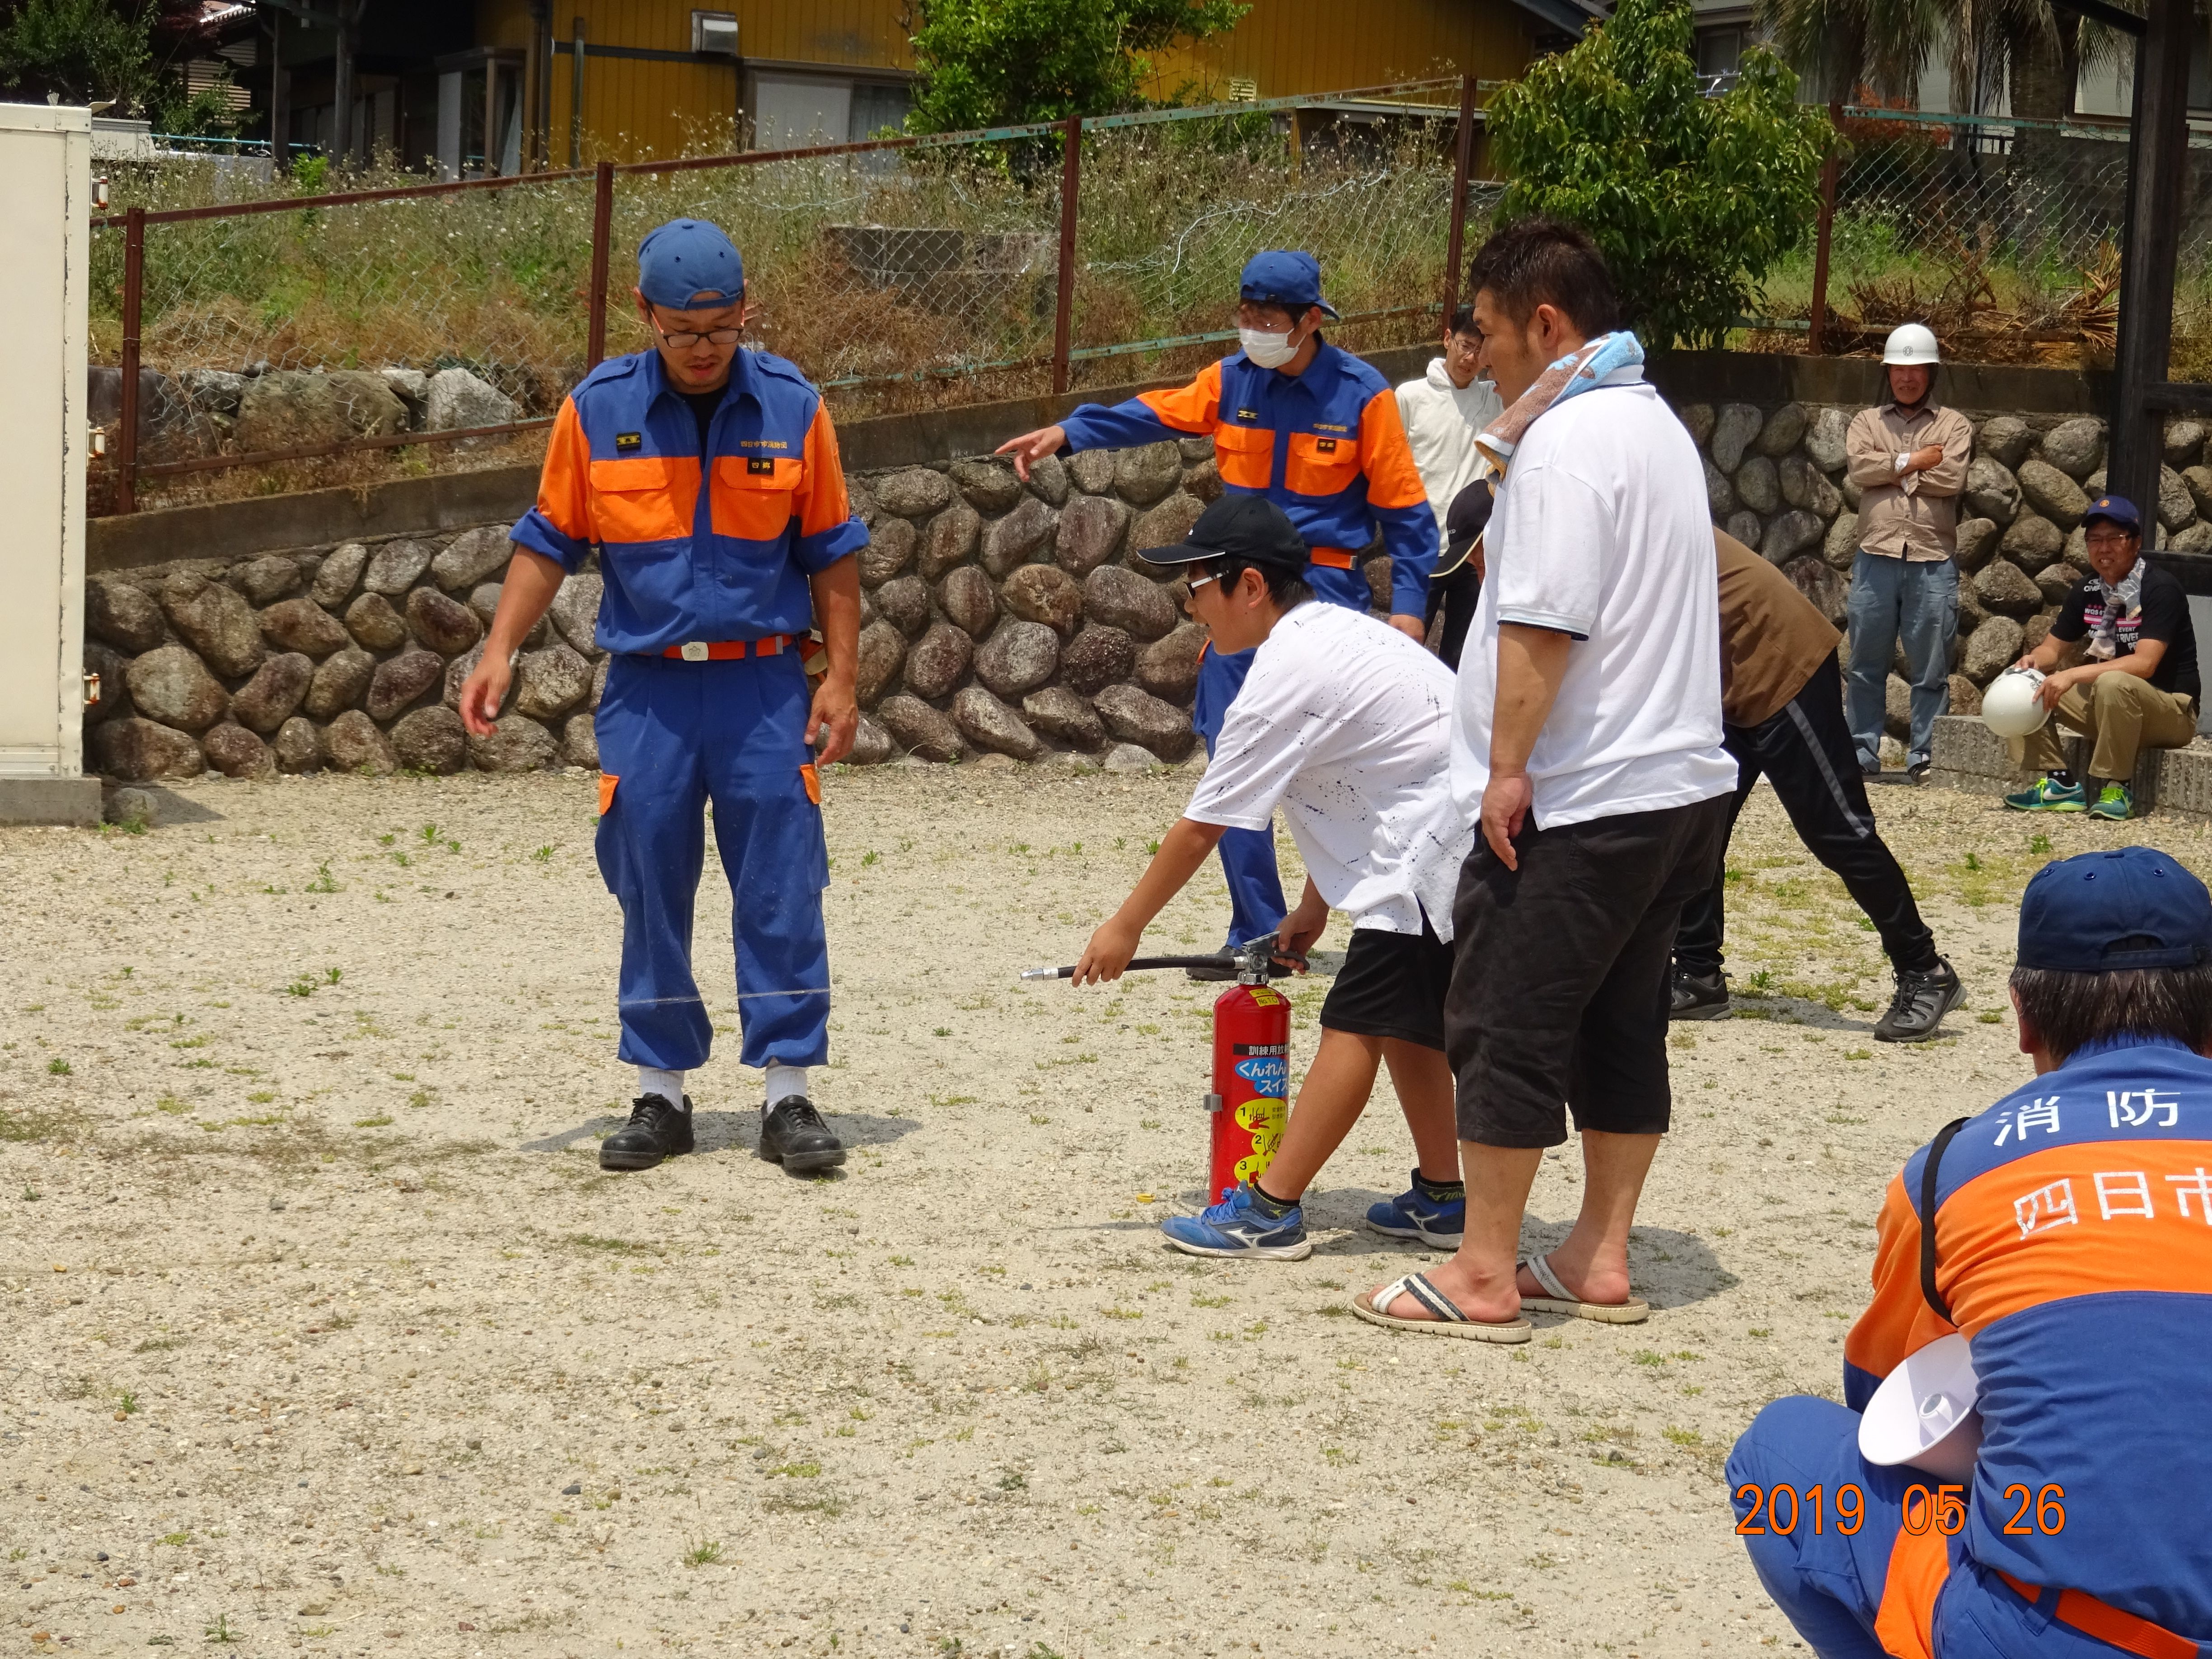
1909,458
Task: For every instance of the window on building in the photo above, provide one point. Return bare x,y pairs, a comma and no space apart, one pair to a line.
714,31
877,106
1720,51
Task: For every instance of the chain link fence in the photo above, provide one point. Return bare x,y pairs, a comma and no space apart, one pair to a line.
272,340
2003,235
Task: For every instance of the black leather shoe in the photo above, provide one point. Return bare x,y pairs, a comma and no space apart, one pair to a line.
794,1134
655,1131
1921,1002
1699,996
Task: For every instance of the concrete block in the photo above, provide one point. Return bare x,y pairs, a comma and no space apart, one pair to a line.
73,801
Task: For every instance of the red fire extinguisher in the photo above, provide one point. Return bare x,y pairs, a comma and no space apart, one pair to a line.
1249,1102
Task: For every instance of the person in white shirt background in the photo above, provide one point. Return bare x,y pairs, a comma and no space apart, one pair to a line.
1346,723
1442,413
1586,748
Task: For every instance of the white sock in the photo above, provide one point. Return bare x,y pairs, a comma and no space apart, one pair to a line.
784,1081
669,1085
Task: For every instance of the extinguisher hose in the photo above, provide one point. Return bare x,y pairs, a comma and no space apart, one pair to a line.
1134,964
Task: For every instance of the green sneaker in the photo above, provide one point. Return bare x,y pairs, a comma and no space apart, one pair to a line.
2044,796
2116,801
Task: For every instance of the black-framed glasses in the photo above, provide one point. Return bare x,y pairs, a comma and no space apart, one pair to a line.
685,341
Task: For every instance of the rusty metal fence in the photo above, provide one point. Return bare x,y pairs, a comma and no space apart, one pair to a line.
2003,234
249,345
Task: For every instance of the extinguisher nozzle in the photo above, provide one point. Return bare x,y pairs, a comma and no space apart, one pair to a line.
1046,973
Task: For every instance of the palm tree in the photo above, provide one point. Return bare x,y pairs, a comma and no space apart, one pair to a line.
2034,49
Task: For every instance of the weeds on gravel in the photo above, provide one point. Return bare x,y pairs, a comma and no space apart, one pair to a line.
704,1554
221,1630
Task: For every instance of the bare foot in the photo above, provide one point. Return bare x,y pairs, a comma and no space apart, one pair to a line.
1603,1285
1487,1299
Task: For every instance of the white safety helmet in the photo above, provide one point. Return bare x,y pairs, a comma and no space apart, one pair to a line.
1911,343
2011,706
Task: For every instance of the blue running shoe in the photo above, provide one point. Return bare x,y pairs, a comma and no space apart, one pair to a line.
1235,1227
1413,1215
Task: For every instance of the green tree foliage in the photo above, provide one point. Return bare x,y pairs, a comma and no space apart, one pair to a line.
1691,199
1001,62
131,51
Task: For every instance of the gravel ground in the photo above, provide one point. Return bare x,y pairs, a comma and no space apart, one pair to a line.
325,1333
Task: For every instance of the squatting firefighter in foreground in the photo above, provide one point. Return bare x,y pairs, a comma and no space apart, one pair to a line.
2066,1234
1317,432
1345,724
707,479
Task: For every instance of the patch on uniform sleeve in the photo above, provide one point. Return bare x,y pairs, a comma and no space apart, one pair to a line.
1326,447
762,464
626,441
1248,414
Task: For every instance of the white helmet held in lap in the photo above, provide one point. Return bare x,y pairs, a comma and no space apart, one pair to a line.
1911,343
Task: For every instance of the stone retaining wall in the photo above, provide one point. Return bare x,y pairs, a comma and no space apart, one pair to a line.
998,617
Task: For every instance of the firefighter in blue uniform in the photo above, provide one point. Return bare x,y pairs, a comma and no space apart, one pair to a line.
705,478
1316,431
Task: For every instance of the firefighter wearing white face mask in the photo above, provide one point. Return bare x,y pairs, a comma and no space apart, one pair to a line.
1317,432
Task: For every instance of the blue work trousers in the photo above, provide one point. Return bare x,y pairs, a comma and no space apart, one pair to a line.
1892,599
675,736
1830,1585
1247,856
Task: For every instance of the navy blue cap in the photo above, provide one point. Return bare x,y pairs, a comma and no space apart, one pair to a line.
688,264
2116,510
2097,913
1251,528
1278,277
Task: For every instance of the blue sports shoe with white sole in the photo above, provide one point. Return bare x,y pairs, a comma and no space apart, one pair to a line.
1235,1227
1413,1215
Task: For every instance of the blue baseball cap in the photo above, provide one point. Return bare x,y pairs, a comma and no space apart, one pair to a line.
688,264
1279,277
2096,913
2115,510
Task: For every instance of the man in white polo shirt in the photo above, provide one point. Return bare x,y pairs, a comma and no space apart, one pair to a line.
1344,722
1587,744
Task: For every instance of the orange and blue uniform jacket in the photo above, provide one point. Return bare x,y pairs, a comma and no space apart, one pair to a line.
2074,1248
1326,447
716,548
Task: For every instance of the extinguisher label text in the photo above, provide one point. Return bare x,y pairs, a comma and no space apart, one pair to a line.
1269,1074
1240,1049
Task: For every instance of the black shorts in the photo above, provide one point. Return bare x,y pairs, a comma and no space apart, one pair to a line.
1391,985
1560,998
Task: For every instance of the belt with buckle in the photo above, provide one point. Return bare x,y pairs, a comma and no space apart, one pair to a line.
1335,557
731,650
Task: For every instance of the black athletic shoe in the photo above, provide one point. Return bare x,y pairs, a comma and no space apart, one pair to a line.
794,1134
1921,1002
1224,967
655,1131
1699,996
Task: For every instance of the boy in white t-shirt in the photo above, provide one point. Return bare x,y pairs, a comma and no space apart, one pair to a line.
1346,724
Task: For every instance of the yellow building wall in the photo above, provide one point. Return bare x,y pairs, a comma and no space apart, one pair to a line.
1293,46
636,108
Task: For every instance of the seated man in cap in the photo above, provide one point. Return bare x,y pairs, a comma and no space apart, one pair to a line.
705,478
1344,724
2066,1233
1315,430
2138,689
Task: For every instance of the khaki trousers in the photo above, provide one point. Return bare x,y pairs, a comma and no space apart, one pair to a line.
2120,715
